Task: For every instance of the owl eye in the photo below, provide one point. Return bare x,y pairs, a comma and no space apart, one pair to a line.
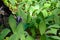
18,19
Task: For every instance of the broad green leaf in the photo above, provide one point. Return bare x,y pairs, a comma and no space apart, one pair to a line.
55,37
42,25
56,11
54,26
56,17
58,4
36,6
4,33
42,28
52,31
45,13
12,23
20,31
49,18
47,5
14,37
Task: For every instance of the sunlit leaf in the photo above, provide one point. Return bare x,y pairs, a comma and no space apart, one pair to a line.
45,13
47,5
58,4
12,2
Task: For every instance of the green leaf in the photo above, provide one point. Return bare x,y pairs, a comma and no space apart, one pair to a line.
29,37
28,18
54,26
12,23
5,2
14,37
54,1
12,2
45,13
20,31
27,7
31,10
42,28
56,11
52,31
58,4
56,17
55,37
42,25
47,5
4,33
33,32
